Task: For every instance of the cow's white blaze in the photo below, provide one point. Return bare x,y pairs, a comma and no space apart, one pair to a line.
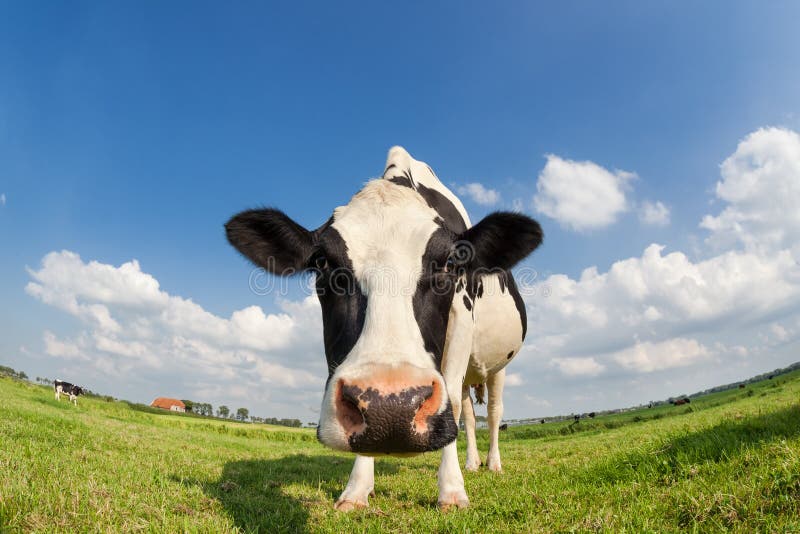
386,229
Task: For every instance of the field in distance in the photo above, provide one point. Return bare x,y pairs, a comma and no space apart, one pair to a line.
729,461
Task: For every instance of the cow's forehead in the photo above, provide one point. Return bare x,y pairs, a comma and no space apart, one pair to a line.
385,226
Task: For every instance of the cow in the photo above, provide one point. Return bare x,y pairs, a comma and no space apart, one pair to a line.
70,389
681,402
417,305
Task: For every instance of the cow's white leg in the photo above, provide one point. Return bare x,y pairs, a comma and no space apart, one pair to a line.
468,412
454,367
495,408
360,485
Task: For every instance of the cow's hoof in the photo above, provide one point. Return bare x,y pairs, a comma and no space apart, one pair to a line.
453,501
494,465
472,466
347,505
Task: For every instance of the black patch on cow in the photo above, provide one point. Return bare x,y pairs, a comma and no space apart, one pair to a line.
389,422
434,294
510,355
502,278
467,303
479,289
518,302
440,203
391,166
460,285
344,306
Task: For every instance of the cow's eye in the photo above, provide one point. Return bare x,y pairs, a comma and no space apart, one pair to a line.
449,265
321,263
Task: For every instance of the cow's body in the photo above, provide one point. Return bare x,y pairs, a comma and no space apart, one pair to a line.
404,343
59,386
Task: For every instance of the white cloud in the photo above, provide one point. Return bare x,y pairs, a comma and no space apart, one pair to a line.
514,380
480,194
578,366
648,357
663,311
133,328
2,199
654,213
581,195
761,187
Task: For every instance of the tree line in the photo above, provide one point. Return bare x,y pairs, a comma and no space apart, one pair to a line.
241,414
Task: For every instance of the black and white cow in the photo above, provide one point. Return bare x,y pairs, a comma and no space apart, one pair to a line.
70,389
417,304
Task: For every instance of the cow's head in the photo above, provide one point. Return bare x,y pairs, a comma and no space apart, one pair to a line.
386,267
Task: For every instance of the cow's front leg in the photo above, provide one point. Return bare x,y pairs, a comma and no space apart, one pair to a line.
495,414
360,485
468,412
451,481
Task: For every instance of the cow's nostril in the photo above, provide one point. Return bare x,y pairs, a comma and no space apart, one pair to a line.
428,407
348,409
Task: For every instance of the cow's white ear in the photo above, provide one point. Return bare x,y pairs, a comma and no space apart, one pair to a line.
271,239
502,239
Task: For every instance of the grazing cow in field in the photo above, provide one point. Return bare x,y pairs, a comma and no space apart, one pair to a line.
592,415
681,402
70,389
504,427
741,386
417,305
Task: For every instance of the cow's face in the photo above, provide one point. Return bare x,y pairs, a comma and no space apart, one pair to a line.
386,269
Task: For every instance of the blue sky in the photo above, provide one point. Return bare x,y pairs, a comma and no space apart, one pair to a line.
133,131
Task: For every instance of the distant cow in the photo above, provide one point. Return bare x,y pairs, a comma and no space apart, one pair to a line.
741,386
592,414
577,418
70,389
680,402
504,426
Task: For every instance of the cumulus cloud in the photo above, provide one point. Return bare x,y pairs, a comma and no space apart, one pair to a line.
654,213
480,194
663,310
514,380
578,366
761,188
131,326
581,195
648,357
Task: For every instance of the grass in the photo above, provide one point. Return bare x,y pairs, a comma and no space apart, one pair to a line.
730,461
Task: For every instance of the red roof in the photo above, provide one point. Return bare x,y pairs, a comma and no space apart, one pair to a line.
167,403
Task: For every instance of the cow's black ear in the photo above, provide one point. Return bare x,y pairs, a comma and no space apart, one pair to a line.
501,240
270,239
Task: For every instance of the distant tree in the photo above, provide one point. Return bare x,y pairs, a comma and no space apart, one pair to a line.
242,413
223,411
8,371
189,405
